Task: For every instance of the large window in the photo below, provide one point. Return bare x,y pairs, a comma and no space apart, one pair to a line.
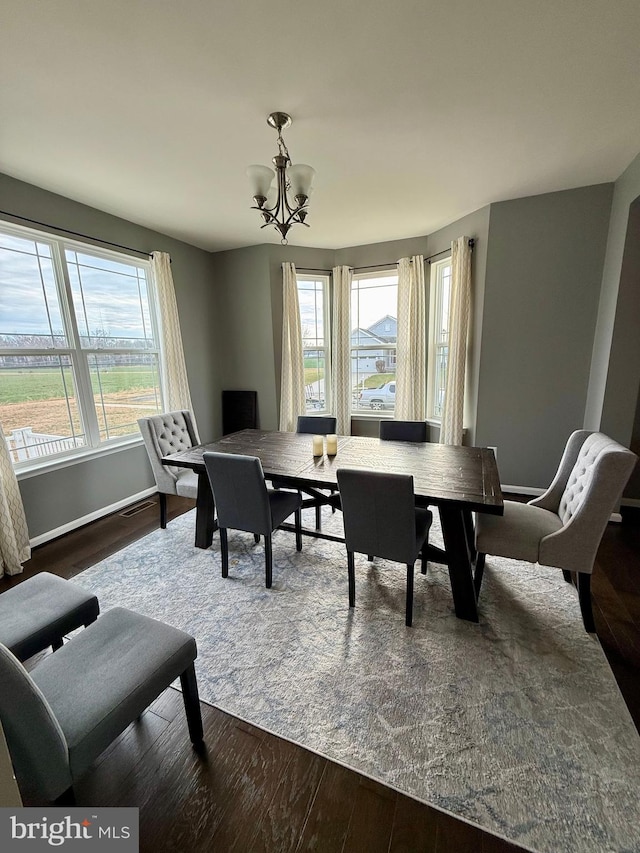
374,311
313,298
440,297
79,353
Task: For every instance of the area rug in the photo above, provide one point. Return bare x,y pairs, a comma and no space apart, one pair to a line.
515,724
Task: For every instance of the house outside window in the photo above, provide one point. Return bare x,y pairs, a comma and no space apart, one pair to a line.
313,299
438,345
79,346
374,309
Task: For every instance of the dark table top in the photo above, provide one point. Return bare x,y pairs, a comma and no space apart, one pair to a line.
467,476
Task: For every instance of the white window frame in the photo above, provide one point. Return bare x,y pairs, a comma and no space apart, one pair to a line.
357,277
80,356
435,345
325,278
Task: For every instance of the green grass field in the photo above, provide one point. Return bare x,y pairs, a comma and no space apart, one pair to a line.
45,383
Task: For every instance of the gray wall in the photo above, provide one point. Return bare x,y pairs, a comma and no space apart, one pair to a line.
544,268
64,495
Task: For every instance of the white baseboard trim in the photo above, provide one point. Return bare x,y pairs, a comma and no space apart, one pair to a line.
92,516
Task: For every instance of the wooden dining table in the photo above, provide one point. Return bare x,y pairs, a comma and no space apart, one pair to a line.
457,480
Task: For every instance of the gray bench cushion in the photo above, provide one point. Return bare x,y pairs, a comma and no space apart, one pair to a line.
127,660
39,611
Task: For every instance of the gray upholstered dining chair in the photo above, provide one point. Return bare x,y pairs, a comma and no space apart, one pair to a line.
381,520
564,526
163,435
41,610
243,502
312,425
415,431
61,715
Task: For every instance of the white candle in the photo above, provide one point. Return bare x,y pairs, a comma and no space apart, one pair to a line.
317,445
332,444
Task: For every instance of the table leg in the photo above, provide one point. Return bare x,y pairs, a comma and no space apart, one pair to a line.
206,524
458,543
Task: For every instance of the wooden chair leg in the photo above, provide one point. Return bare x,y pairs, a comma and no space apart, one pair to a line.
424,557
318,518
268,561
256,538
567,576
409,609
351,567
298,523
191,700
224,549
57,644
163,509
479,573
66,798
584,597
370,558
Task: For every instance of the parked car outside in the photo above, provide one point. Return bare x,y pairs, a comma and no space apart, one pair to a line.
383,397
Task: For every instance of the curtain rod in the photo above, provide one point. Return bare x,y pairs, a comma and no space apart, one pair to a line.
75,233
389,263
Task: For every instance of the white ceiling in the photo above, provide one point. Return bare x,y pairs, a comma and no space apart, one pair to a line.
413,112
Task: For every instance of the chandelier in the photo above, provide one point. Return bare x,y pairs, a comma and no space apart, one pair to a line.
285,202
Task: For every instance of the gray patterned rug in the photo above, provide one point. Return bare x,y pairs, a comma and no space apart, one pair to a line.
515,724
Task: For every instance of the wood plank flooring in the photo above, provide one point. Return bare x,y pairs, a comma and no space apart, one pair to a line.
252,791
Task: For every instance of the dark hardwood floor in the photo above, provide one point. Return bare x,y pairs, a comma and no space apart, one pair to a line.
252,791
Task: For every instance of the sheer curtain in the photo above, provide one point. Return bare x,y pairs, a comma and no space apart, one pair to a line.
14,535
292,399
453,407
341,349
174,374
411,381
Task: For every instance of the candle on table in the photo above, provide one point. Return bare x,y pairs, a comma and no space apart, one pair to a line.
332,444
317,445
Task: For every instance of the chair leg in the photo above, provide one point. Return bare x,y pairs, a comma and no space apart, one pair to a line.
479,573
191,700
57,644
409,610
163,509
370,558
584,597
567,576
298,519
333,506
256,538
66,798
318,518
224,549
268,561
424,557
351,566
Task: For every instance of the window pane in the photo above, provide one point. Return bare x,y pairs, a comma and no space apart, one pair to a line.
374,301
38,406
311,299
125,388
30,314
111,301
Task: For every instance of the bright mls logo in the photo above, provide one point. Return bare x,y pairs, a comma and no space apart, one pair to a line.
72,829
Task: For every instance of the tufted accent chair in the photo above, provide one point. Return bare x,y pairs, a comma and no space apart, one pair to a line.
564,526
165,434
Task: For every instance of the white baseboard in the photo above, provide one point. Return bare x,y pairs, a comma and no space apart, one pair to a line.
522,490
92,516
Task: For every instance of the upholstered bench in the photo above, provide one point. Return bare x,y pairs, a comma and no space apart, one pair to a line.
39,611
60,716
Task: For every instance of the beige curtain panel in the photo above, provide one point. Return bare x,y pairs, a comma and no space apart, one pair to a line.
411,381
453,408
14,534
341,349
292,399
174,374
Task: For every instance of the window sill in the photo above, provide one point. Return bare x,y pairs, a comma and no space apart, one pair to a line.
35,468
